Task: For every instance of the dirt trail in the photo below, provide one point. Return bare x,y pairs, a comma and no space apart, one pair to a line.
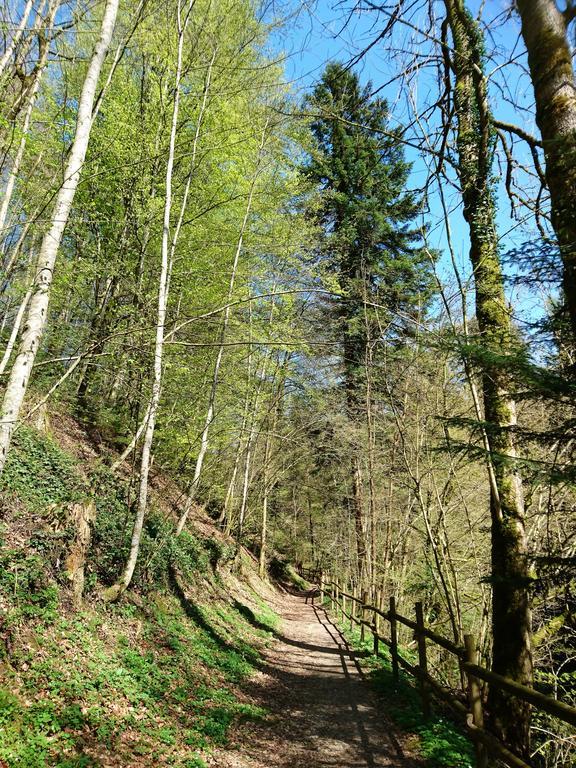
324,714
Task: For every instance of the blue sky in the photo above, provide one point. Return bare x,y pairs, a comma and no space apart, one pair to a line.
325,30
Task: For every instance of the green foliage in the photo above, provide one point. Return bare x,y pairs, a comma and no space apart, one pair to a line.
110,530
165,677
164,674
26,587
189,555
159,549
284,571
552,740
39,473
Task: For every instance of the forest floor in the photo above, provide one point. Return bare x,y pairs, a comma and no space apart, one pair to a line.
323,712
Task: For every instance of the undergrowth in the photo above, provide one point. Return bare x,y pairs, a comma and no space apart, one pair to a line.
438,739
156,684
150,681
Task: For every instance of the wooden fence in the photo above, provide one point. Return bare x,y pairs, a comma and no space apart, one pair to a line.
466,703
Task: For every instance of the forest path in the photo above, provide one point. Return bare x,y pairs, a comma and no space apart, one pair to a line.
323,712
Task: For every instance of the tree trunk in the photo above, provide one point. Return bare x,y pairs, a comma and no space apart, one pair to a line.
313,553
215,374
511,615
544,29
358,507
245,489
226,516
266,474
38,72
173,244
15,331
84,515
37,312
114,592
11,46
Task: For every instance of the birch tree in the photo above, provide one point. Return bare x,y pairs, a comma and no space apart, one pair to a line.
222,339
183,14
37,309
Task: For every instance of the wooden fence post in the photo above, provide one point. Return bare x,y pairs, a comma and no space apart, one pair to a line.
375,648
353,607
475,699
321,587
394,640
422,661
376,623
344,605
364,598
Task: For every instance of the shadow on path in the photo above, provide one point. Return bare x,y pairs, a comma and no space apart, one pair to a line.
323,713
249,615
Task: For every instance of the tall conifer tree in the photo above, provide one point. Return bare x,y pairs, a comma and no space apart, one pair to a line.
369,236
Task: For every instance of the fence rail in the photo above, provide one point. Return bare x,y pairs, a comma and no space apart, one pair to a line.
467,703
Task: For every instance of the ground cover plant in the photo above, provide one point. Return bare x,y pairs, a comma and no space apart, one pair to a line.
151,680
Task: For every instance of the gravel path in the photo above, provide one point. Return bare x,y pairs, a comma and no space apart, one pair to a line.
323,712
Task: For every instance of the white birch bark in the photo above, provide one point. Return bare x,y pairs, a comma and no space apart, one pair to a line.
120,51
268,456
215,373
9,263
226,516
251,439
250,410
245,486
15,331
124,582
16,37
14,171
265,489
140,430
38,307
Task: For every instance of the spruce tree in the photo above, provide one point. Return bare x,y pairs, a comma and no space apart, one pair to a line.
366,212
369,238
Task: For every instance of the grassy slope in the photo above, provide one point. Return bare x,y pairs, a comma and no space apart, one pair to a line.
153,680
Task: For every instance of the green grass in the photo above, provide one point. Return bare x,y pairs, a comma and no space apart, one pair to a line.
439,740
156,681
160,685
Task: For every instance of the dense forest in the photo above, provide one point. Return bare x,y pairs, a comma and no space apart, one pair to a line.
320,321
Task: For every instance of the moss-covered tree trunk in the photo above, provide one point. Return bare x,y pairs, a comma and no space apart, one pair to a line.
544,30
511,619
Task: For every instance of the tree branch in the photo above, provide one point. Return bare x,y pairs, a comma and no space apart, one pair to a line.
520,132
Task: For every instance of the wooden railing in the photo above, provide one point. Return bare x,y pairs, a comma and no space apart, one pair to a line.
466,702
